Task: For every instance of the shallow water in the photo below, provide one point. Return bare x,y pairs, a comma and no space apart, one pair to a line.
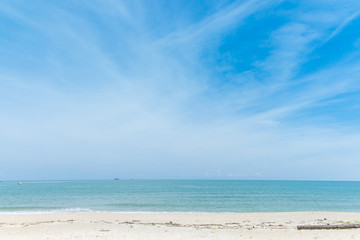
178,196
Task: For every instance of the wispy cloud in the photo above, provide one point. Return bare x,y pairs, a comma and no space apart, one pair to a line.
219,22
347,21
101,90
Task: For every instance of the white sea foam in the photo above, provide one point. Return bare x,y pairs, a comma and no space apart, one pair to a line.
63,210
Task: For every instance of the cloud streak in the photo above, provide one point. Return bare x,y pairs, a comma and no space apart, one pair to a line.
101,94
346,22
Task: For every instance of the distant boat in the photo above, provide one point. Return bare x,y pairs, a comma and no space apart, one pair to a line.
116,179
19,183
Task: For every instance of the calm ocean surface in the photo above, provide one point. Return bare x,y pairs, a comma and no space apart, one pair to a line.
178,196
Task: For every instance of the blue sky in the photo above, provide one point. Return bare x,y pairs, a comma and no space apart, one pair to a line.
180,89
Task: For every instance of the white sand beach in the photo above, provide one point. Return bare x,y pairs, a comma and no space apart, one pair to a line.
88,226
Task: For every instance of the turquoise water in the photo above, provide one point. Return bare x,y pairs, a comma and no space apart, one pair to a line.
178,196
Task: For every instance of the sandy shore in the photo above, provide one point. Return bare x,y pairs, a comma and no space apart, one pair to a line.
174,226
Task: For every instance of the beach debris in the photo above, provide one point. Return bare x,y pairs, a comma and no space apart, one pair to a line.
337,226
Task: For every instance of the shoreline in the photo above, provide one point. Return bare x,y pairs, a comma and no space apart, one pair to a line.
115,225
60,212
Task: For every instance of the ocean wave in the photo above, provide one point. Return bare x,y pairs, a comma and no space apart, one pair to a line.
62,210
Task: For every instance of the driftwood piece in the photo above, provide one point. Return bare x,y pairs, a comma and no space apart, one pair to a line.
339,226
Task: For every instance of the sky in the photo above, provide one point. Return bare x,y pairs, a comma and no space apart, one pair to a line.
160,89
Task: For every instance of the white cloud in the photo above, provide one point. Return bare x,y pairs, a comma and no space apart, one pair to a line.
346,22
142,110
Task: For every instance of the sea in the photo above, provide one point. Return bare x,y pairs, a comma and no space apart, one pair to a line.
188,196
